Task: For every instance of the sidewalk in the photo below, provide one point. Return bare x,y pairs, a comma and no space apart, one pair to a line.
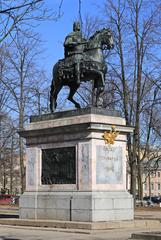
7,211
148,213
9,207
24,233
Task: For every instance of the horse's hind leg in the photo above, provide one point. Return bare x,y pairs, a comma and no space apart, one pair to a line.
55,89
99,99
73,89
100,85
51,97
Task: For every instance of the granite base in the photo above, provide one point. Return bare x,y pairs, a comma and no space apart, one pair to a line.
77,206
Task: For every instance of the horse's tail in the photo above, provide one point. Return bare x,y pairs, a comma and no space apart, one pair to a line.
52,87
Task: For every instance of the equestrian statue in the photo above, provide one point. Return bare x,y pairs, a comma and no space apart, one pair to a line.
83,62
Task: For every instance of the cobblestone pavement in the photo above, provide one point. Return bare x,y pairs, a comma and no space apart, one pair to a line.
25,233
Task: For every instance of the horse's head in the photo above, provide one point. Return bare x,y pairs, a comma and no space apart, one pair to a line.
103,39
106,39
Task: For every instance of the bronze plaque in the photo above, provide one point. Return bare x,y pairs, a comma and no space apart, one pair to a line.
58,166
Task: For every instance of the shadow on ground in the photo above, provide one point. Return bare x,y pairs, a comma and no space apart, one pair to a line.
8,216
8,238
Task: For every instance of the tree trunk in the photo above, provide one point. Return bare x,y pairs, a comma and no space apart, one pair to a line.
149,182
133,177
4,176
140,182
22,169
11,168
132,161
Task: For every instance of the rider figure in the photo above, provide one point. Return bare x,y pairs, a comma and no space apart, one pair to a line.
74,46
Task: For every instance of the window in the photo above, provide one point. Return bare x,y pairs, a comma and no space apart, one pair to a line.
152,186
158,186
158,174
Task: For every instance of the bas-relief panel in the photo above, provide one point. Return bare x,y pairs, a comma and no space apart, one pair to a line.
58,166
109,164
85,164
31,155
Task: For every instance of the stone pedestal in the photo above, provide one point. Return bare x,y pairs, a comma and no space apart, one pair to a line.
97,192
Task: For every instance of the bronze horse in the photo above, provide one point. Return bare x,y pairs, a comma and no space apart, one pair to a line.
92,67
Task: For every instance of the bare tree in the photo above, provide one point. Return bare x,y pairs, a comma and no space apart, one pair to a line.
18,61
22,72
137,37
39,90
21,14
7,133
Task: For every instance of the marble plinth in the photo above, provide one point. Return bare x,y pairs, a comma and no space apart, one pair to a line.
99,190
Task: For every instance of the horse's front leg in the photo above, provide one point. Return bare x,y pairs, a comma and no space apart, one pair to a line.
94,96
100,89
73,90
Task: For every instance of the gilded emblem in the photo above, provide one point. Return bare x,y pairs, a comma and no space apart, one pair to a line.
110,136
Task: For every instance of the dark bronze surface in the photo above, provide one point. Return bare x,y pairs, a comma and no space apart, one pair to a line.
83,61
58,166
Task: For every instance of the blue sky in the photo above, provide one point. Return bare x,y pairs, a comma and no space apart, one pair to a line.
53,33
